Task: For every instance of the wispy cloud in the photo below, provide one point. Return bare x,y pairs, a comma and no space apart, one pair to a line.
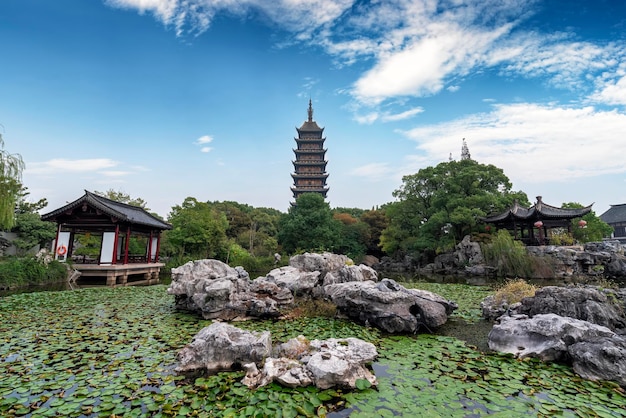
206,139
386,116
61,165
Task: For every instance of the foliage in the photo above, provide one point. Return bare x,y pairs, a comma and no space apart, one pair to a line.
30,229
513,291
595,229
377,222
109,352
11,167
309,226
197,230
353,236
122,197
509,257
439,205
252,228
559,236
25,271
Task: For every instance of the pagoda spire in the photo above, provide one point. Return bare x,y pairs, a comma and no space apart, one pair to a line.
465,154
310,111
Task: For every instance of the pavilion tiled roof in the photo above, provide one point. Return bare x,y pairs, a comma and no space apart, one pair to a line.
122,211
539,210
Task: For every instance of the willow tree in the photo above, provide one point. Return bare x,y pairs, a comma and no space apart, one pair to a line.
11,167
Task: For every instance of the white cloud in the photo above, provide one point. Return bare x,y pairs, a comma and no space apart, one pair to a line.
388,117
205,149
61,165
206,139
532,142
612,93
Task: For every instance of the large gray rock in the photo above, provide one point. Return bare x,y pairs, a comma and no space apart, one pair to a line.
324,363
594,351
601,359
350,273
218,291
546,336
323,262
599,306
299,282
389,306
223,347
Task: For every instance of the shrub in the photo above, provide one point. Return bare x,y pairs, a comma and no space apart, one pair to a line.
509,257
24,271
513,291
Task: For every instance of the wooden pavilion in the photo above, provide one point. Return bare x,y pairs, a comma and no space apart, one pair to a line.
540,218
115,224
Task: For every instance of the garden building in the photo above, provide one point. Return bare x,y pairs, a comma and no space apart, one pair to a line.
309,166
532,225
103,238
616,218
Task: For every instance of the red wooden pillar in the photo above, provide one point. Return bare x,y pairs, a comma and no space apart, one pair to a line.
117,236
126,245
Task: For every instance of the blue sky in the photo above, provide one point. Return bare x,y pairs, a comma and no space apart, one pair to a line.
165,99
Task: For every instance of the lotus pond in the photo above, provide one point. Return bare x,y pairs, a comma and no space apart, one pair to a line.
106,352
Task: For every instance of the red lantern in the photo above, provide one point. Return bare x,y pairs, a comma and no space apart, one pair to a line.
582,223
488,228
538,224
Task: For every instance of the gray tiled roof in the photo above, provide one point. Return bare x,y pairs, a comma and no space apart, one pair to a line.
616,214
121,211
539,210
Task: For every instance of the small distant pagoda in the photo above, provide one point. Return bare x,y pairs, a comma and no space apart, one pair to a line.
310,166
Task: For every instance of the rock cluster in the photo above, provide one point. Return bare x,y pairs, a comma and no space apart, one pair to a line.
589,261
581,325
218,291
298,362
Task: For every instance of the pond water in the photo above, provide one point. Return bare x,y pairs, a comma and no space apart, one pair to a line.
103,352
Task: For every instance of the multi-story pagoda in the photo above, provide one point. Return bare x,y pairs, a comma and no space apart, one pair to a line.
310,166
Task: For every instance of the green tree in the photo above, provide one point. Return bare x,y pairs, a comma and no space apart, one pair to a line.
30,229
11,167
595,229
377,221
439,205
309,226
122,197
353,236
198,230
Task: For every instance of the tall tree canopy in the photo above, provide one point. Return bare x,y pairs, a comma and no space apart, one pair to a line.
439,205
309,226
11,167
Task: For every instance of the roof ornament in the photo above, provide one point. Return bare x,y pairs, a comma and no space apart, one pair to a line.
310,111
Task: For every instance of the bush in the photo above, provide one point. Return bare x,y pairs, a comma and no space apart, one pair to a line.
25,271
513,291
509,257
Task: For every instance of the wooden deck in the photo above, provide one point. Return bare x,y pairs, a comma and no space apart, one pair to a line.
121,274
